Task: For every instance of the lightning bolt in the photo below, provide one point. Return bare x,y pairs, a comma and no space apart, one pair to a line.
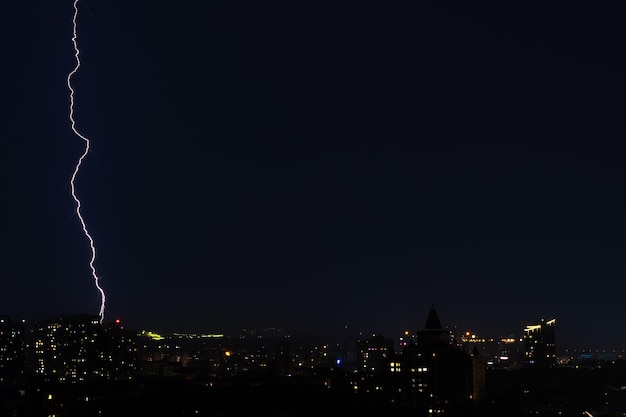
80,162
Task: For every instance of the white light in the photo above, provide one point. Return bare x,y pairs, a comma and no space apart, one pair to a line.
79,163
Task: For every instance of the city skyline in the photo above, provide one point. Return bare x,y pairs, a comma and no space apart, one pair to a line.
462,336
313,167
77,365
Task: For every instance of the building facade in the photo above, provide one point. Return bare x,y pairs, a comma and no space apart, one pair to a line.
12,351
438,375
540,343
78,348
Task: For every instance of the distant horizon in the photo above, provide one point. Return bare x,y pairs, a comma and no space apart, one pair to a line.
338,336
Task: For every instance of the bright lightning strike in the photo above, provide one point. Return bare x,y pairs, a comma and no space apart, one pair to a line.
79,163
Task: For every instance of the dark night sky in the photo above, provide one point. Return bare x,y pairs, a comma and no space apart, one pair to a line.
307,166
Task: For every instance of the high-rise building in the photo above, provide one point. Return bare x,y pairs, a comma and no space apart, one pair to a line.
79,348
281,359
539,343
438,375
12,350
376,363
120,352
375,354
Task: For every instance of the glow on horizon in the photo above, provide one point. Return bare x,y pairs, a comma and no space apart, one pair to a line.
79,163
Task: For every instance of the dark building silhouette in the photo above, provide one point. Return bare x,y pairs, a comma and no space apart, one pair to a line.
437,375
12,351
120,352
540,343
281,359
77,348
479,373
376,362
375,354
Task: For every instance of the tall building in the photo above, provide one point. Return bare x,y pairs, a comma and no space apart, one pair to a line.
376,363
539,343
12,351
120,352
73,349
439,376
375,354
281,359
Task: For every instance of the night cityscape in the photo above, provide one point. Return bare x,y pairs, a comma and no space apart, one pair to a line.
292,208
76,366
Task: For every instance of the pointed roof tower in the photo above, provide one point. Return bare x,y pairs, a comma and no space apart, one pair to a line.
434,337
432,322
